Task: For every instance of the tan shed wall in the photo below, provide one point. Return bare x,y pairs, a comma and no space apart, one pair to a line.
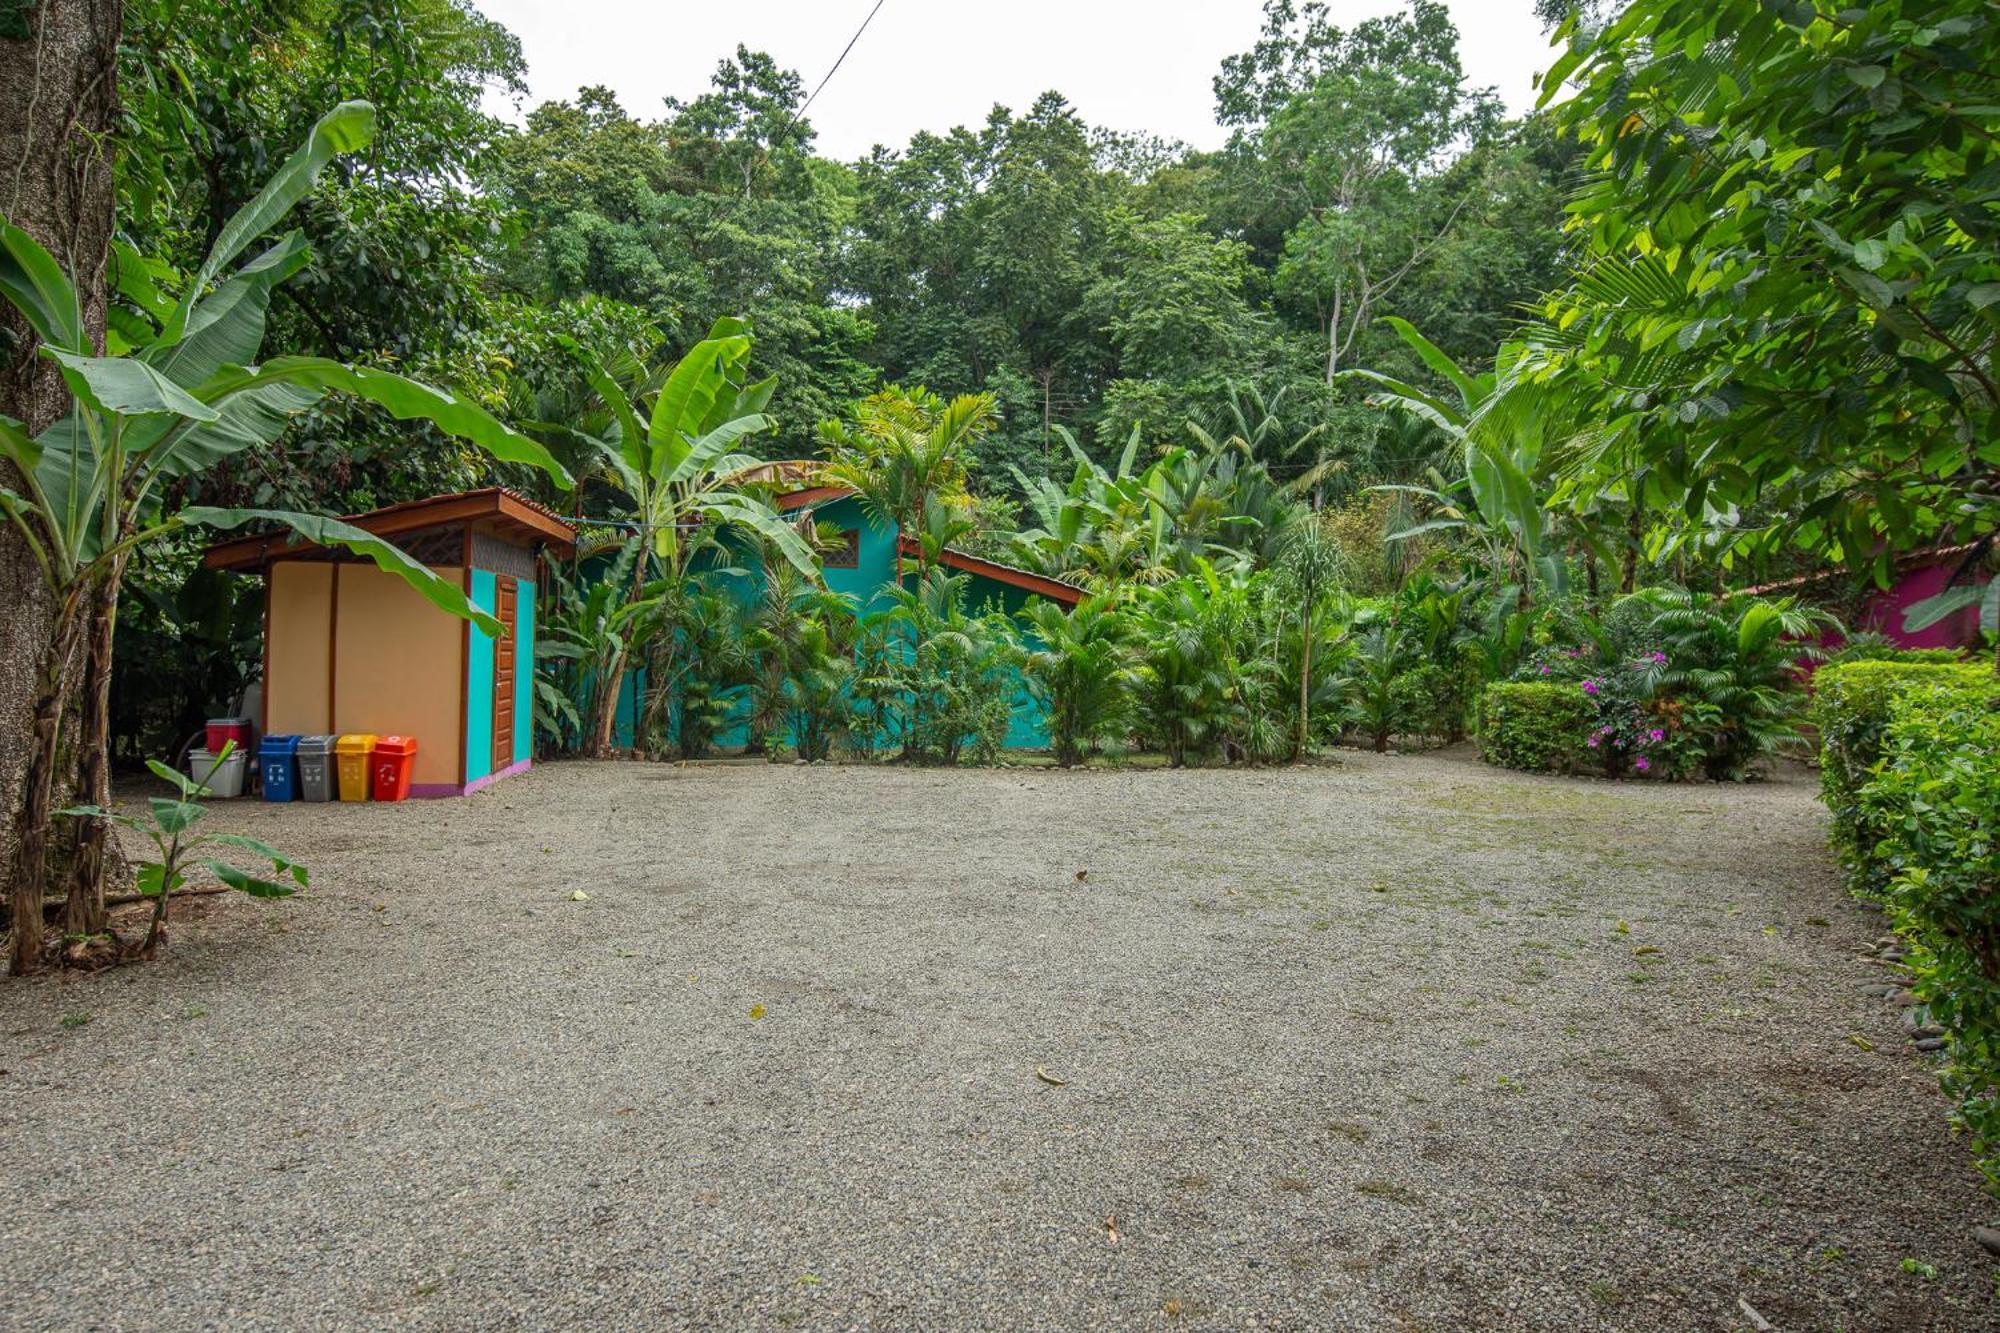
397,668
297,693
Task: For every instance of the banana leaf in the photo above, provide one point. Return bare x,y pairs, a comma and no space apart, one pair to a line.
345,129
439,592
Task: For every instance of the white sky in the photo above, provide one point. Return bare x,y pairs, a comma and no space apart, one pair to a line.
1135,65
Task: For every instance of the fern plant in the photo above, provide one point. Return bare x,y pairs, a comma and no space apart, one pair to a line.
1740,658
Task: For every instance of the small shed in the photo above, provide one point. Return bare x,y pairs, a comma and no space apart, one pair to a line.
352,648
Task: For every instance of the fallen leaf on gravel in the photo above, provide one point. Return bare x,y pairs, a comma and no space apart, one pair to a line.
1045,1076
1111,1226
579,896
756,1012
1861,1041
1623,928
1645,949
1762,1324
1171,1308
1082,875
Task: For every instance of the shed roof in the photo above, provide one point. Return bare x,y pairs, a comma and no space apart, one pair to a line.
495,509
964,561
1039,584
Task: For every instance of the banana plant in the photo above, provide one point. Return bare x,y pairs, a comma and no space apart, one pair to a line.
1501,437
170,827
678,468
181,390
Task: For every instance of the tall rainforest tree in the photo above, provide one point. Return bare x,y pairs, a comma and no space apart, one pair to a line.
59,100
1349,133
720,205
95,484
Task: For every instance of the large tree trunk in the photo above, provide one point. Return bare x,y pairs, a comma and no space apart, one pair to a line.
28,871
58,119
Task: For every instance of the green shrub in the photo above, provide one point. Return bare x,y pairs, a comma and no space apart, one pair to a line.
1537,727
1871,646
1851,706
1935,800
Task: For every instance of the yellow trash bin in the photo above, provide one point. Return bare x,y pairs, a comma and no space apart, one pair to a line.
350,754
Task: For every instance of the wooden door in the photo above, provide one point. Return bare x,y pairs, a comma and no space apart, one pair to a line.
503,674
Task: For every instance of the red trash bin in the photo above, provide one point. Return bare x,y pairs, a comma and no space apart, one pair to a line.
389,767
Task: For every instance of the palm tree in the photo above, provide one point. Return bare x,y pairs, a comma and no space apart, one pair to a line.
1499,422
1310,565
904,451
1080,672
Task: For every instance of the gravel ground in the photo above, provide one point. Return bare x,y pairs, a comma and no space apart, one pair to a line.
1405,1043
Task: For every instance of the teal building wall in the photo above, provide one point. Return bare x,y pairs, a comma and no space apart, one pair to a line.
867,584
479,681
485,594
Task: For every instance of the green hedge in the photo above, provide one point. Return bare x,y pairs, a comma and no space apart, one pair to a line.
1932,809
1889,652
1851,712
1537,727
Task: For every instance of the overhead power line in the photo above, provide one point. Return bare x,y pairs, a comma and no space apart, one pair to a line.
807,104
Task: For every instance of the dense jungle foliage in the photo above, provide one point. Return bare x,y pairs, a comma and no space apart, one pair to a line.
1498,372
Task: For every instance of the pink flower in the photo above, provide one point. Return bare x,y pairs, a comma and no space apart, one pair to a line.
1545,668
1592,742
1656,734
1642,763
1590,687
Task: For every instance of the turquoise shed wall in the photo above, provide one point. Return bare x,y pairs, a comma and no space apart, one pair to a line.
1028,728
524,670
479,681
625,722
867,584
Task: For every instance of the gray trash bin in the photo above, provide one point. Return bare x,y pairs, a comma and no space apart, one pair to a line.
316,775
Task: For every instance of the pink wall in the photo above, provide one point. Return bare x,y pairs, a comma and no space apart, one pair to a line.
1885,611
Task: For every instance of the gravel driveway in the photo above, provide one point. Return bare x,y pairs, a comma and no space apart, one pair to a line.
1405,1043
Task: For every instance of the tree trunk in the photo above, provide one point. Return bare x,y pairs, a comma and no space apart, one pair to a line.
605,723
1635,528
58,122
30,867
1305,678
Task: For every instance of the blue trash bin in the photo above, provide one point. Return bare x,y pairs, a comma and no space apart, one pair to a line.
277,764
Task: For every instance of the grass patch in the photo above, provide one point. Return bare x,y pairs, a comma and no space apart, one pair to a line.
1387,1191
